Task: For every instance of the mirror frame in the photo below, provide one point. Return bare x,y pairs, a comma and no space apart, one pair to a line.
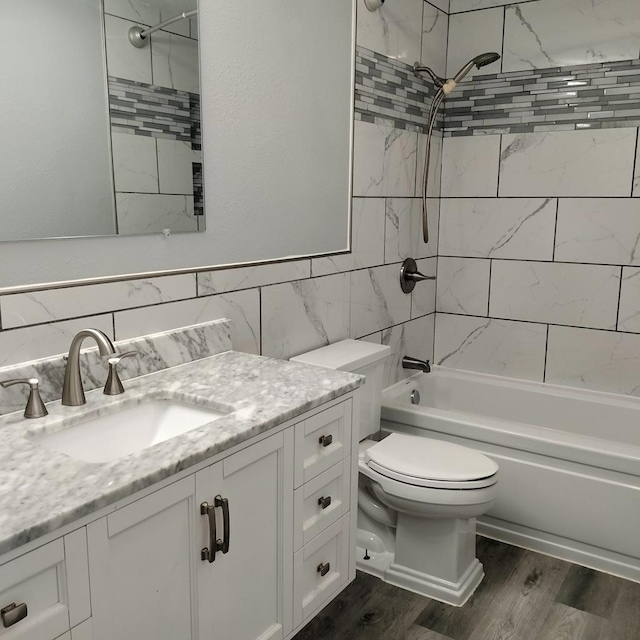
24,264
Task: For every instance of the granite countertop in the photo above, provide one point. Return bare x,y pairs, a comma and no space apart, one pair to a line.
42,490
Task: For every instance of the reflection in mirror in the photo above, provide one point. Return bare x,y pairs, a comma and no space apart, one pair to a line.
100,120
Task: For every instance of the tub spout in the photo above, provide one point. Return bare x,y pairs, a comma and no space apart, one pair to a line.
413,363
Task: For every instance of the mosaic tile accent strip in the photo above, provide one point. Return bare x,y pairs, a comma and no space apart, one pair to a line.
388,92
198,191
150,110
594,96
196,122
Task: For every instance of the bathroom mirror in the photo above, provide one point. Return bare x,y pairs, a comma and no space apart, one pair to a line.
276,86
99,118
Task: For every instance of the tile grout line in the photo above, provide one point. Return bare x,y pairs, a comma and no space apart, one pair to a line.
619,300
546,351
635,161
555,231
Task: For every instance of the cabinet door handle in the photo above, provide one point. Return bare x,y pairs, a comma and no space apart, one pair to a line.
325,441
13,613
323,568
324,502
209,553
226,524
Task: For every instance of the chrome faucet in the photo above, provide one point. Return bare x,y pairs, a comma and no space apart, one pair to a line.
72,390
413,363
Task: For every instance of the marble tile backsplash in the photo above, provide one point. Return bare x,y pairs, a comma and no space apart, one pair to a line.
154,353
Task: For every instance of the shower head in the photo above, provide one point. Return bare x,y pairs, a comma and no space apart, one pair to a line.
486,58
479,61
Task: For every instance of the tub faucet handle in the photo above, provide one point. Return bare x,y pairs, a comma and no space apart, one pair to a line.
35,406
409,275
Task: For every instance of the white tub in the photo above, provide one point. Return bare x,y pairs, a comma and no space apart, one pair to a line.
569,460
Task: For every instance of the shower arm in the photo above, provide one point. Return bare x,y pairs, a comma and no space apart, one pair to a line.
138,35
418,69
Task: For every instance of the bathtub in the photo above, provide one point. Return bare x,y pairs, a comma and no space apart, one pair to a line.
569,459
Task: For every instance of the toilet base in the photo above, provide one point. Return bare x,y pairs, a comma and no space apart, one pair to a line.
453,593
432,557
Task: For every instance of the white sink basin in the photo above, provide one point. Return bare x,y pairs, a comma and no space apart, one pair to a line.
119,434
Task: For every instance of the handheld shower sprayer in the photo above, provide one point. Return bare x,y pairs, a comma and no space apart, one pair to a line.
445,87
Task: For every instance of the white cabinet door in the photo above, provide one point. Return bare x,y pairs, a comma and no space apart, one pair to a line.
252,581
142,563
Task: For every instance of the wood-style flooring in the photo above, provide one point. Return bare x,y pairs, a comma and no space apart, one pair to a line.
524,596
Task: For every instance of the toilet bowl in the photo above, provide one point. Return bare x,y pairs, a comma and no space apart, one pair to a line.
418,498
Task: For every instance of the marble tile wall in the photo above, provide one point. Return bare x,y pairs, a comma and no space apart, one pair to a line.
276,310
537,34
279,309
538,257
539,218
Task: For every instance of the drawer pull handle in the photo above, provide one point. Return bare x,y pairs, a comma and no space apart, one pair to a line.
13,613
325,441
323,568
324,502
209,553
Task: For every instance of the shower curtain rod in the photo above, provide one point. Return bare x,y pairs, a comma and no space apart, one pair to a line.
138,35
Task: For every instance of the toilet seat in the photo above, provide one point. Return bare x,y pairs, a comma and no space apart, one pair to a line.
435,464
430,495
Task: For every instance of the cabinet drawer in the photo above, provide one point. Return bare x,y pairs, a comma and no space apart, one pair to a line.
321,502
328,554
322,441
37,580
53,582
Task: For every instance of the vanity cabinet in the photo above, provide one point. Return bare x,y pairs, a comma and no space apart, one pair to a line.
245,592
152,578
246,548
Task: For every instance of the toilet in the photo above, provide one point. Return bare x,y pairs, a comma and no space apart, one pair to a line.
418,498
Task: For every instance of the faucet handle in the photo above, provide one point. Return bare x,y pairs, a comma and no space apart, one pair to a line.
409,275
113,386
35,406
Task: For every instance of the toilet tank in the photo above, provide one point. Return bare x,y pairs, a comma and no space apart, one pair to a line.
365,358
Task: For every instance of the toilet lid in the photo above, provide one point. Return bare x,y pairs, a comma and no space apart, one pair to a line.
430,463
